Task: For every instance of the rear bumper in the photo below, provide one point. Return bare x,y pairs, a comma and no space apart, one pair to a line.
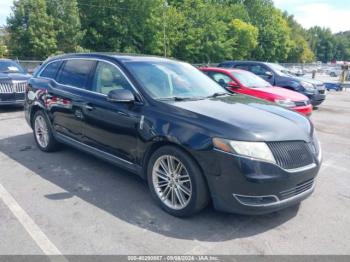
305,110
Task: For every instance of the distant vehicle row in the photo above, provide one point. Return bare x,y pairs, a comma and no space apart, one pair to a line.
280,76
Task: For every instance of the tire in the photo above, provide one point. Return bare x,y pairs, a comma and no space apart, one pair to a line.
189,177
43,133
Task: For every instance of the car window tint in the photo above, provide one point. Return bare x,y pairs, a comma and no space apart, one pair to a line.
243,67
258,69
225,65
107,78
222,79
50,71
76,72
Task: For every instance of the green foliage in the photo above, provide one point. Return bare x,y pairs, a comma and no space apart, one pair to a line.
31,30
199,31
66,24
246,38
300,50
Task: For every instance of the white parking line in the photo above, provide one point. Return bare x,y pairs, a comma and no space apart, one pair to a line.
33,229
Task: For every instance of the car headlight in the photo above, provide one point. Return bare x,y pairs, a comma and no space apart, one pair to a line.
308,87
257,150
285,102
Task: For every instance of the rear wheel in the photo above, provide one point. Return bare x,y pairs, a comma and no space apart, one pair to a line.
43,133
176,182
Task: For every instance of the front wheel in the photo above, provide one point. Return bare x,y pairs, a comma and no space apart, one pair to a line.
176,182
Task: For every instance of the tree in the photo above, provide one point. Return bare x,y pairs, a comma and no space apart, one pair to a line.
300,50
274,32
67,24
245,36
31,30
322,43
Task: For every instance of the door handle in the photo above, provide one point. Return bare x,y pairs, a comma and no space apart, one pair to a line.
88,107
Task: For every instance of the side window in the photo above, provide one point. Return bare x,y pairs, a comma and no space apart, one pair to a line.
258,70
107,78
225,65
76,72
222,79
50,71
243,67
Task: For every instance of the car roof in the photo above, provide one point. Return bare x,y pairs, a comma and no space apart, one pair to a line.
120,57
245,62
221,69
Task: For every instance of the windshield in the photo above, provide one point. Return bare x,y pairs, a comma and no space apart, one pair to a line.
281,70
249,79
169,79
10,67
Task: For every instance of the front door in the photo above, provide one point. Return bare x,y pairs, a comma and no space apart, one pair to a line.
111,126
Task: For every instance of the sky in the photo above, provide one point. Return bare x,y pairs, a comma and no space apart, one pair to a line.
334,14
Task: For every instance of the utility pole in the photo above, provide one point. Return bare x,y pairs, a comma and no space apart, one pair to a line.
165,6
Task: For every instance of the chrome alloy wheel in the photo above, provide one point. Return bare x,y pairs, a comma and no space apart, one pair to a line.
172,182
41,131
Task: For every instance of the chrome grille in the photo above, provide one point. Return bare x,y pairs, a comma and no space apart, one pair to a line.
291,154
300,188
13,87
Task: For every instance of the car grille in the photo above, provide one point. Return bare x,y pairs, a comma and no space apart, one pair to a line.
12,87
302,103
300,188
291,154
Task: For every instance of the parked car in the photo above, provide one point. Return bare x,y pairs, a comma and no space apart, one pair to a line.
169,123
278,75
333,86
335,72
13,81
245,82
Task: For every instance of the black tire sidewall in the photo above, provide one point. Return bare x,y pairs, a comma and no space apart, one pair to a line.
199,198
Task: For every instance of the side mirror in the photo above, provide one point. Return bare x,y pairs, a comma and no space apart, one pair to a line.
233,84
121,96
268,74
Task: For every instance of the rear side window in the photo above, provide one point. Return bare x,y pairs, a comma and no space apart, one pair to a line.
51,69
243,67
76,72
225,65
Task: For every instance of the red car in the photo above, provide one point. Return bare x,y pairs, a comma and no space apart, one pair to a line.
244,82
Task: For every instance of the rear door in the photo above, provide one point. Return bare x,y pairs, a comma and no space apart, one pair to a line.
67,97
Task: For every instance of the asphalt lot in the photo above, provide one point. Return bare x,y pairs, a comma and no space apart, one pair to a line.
72,203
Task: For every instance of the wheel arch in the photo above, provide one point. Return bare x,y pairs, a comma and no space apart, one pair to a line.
155,146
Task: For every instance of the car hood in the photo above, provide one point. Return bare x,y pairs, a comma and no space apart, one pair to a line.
14,76
312,81
307,79
245,118
283,93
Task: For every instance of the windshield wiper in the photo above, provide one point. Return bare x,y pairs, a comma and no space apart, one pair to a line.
179,98
220,94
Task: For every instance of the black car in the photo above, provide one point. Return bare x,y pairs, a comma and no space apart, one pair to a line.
172,125
278,75
13,82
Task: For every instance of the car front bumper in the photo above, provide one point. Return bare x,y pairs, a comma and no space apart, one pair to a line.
253,187
317,99
12,99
